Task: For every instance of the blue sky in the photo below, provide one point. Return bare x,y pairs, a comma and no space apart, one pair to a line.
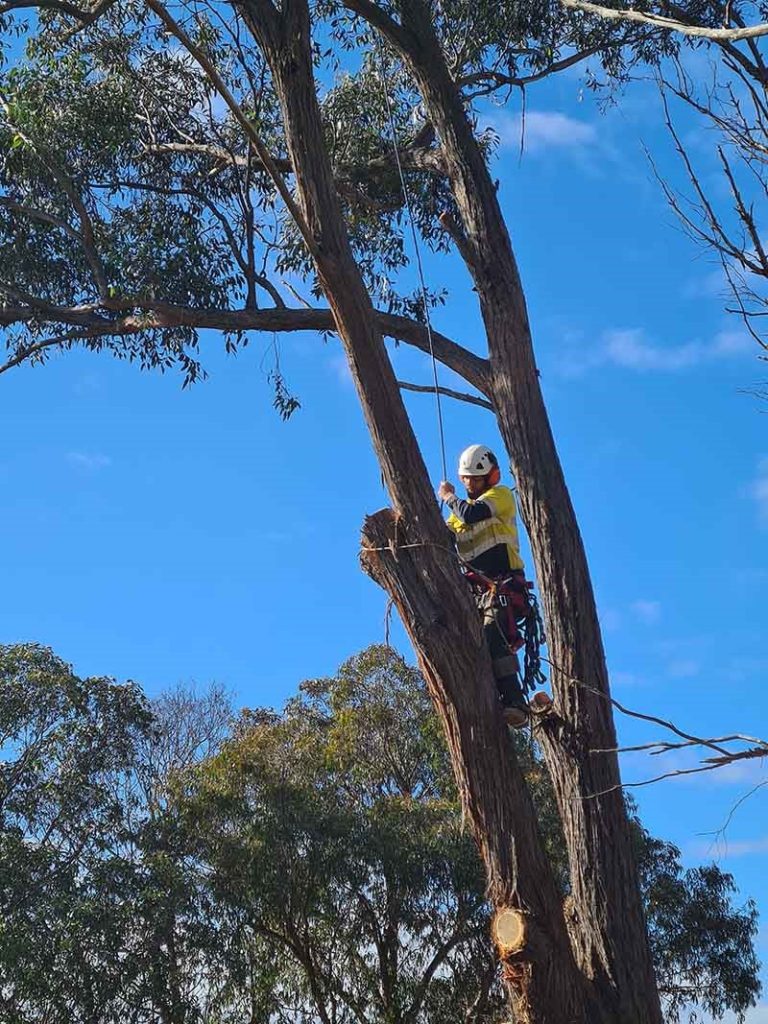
163,535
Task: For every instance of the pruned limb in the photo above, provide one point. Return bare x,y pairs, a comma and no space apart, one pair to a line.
509,931
669,24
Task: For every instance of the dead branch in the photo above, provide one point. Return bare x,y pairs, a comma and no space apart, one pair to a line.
461,396
668,24
758,748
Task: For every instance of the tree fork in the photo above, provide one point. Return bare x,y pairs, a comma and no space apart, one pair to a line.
437,609
609,933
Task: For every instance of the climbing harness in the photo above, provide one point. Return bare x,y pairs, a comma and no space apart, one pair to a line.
524,627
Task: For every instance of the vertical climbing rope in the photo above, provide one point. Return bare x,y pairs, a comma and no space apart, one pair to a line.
416,248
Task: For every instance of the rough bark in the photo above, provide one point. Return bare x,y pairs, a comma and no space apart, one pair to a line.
423,579
539,971
609,936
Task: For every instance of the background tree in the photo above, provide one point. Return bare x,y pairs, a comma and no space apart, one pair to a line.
316,865
101,919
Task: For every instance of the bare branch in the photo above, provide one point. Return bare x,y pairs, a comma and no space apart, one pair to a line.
417,156
669,24
448,392
26,353
217,154
726,757
498,80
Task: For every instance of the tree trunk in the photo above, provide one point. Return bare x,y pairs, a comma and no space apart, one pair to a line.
538,970
423,579
608,930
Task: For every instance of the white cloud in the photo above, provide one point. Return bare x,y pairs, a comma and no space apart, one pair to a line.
88,461
340,368
741,668
623,679
711,285
683,668
630,349
610,620
542,130
758,1015
758,489
745,774
720,847
732,343
646,611
745,848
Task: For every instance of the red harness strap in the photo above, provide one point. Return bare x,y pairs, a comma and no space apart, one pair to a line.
511,593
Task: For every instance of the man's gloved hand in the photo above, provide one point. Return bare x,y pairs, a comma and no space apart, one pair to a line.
445,490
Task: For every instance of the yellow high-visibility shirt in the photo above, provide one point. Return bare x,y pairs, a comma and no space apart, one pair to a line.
486,542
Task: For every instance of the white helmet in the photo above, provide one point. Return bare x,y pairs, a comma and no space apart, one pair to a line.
477,460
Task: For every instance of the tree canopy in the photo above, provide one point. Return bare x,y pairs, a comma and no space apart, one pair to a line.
306,864
134,210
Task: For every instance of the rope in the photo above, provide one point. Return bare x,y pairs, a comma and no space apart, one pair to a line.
416,248
535,638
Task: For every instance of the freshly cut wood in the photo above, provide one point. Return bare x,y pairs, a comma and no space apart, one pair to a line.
509,930
541,703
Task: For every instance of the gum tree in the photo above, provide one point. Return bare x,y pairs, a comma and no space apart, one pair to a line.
133,214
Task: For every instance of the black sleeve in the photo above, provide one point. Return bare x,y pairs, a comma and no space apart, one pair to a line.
469,512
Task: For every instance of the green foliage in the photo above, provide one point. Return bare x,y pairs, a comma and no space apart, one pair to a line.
157,863
332,841
100,918
66,743
114,125
703,946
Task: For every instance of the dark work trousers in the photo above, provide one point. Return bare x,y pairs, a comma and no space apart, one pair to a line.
506,666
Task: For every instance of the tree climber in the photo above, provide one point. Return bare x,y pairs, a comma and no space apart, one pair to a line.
487,543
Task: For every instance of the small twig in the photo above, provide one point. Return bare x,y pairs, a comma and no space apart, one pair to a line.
639,714
742,799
